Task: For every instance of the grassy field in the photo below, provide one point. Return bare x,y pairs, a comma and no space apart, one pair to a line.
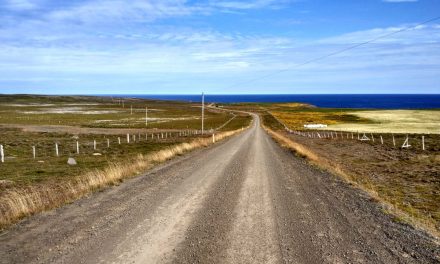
393,121
105,112
404,180
354,120
29,185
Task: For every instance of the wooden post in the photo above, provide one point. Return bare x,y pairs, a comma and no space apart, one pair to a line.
56,149
128,138
34,154
372,137
94,144
146,116
406,143
77,147
381,139
203,113
423,142
2,154
131,109
394,141
108,143
119,140
213,138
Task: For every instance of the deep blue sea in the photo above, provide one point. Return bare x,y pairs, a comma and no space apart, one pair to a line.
370,101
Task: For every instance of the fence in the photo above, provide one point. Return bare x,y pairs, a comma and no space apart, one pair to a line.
402,141
75,146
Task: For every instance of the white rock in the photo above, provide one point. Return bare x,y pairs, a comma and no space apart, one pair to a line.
71,161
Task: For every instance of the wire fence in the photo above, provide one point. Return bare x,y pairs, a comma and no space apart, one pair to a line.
422,142
91,145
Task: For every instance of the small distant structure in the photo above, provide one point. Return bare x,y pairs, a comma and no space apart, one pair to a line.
315,126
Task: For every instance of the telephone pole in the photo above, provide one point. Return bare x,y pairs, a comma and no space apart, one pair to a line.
146,116
203,113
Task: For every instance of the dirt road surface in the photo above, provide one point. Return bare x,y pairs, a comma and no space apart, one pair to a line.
244,200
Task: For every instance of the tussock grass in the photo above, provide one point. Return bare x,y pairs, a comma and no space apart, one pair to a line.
401,212
21,201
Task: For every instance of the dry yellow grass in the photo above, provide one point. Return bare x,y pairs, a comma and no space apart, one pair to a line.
424,223
394,121
16,203
297,120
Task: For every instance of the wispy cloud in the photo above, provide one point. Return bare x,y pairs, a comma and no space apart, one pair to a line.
116,43
20,5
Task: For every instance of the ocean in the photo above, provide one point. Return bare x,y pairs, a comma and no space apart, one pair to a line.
368,101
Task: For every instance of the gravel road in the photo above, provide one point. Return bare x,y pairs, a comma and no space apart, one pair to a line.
244,200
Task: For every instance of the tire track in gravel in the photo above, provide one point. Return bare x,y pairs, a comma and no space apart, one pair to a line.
245,200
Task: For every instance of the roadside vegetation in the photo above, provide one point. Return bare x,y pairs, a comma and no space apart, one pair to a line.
29,185
404,181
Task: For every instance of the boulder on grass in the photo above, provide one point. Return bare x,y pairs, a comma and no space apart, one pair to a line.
71,161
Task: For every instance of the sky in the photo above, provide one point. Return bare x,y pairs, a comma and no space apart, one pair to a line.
218,46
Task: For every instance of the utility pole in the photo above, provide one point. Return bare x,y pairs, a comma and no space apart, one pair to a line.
146,116
203,112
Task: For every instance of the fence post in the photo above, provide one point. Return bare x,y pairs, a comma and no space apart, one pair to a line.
394,141
128,138
213,138
94,144
33,152
56,149
108,143
119,140
2,154
381,139
423,142
406,143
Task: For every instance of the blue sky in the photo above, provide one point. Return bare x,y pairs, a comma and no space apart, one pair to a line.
217,46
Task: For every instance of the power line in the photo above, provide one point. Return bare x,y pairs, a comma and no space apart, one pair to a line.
336,52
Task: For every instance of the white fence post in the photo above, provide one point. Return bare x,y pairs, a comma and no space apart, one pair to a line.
381,139
34,154
2,154
128,138
108,143
77,147
213,138
56,149
119,140
406,143
394,141
423,142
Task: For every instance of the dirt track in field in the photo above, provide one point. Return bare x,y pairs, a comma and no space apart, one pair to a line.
245,200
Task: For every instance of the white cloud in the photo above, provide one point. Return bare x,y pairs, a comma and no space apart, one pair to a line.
21,5
244,4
